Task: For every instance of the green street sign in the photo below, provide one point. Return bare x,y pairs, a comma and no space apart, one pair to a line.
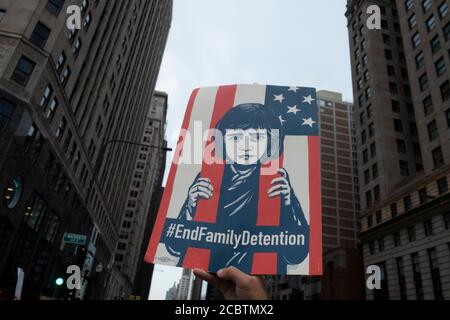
79,239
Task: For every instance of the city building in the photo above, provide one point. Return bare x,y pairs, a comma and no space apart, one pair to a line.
146,181
402,98
171,294
185,285
342,260
70,103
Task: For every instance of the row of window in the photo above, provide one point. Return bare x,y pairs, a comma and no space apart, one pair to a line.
442,186
411,234
433,262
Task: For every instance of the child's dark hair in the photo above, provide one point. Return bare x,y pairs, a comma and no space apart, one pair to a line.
254,116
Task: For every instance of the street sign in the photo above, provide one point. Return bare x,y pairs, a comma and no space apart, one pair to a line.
79,239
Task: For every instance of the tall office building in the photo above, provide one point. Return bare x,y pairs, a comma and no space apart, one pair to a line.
146,181
402,92
184,287
342,259
65,95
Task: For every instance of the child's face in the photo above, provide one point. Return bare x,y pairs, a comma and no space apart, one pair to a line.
245,147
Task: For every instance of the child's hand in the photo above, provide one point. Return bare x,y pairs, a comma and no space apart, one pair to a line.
235,284
281,187
201,188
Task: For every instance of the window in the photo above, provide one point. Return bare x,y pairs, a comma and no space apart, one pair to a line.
407,203
365,60
388,54
428,228
390,70
23,70
358,68
54,6
440,67
417,276
386,39
375,171
366,176
395,106
6,110
64,76
423,82
393,87
404,168
371,130
447,221
60,62
447,31
87,21
428,106
401,278
412,233
398,125
416,40
84,6
369,111
373,150
412,21
431,23
365,156
381,244
77,47
394,211
397,241
442,185
423,195
401,146
409,4
438,159
14,192
443,10
433,132
61,128
445,90
52,109
368,198
426,5
420,60
435,274
447,115
369,221
376,195
2,14
435,44
359,84
40,35
366,76
372,247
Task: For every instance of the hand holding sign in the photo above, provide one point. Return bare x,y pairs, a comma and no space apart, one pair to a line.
281,187
202,188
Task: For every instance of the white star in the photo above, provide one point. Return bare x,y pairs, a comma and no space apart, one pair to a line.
308,122
293,110
282,120
279,98
293,89
308,99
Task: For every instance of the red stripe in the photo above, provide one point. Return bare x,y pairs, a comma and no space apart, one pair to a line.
164,207
197,258
207,209
264,263
269,208
315,208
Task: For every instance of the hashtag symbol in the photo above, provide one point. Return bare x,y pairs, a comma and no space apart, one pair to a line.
171,230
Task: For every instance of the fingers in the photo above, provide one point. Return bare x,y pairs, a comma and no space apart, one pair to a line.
201,190
206,276
283,172
239,278
278,189
283,180
222,285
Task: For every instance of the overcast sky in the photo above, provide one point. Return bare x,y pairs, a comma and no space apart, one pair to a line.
277,42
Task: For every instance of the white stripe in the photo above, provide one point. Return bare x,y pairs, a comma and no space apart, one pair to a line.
185,172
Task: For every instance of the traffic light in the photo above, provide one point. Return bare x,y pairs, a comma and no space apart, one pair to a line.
59,281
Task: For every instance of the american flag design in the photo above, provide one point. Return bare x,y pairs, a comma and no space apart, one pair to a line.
258,211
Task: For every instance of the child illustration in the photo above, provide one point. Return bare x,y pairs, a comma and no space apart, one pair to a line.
251,136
